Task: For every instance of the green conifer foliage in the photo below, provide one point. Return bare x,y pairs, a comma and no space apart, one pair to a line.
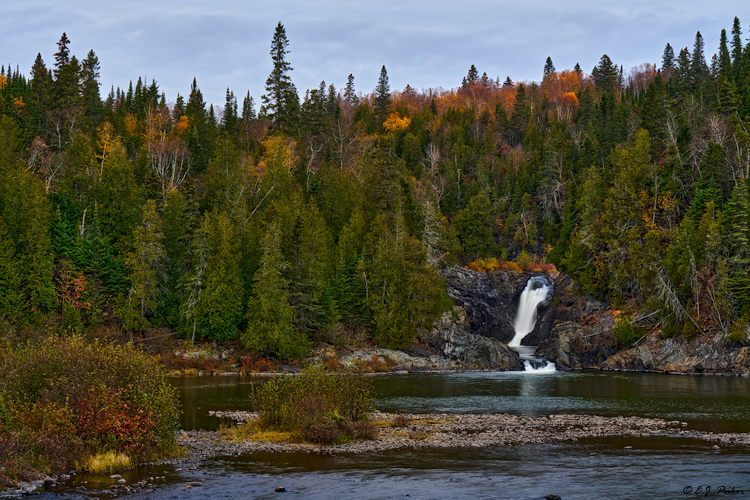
270,317
221,305
145,264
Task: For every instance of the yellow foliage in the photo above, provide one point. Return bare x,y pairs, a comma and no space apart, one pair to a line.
2,81
182,125
395,123
279,152
131,123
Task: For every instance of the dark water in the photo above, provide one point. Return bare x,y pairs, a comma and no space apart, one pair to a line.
655,468
719,404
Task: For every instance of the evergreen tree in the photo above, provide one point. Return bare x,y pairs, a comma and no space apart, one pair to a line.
280,102
473,75
350,95
221,305
698,67
667,59
145,269
605,75
92,101
271,324
382,96
725,62
736,48
40,98
549,68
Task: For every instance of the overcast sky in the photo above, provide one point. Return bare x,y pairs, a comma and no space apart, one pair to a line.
423,43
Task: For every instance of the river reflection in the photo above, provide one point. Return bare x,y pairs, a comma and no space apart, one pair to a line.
720,404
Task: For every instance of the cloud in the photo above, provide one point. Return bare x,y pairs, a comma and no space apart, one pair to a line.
226,43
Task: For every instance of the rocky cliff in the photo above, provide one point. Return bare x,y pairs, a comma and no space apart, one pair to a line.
453,338
590,343
711,354
491,301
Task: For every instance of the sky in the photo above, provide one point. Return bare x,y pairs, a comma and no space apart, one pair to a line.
422,43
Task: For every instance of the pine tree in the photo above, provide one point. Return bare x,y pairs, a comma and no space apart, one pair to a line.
605,75
40,98
382,96
280,102
229,117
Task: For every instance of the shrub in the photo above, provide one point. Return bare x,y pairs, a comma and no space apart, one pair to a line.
736,332
64,399
626,332
316,406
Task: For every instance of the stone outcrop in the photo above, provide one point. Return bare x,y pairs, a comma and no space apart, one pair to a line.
448,346
491,301
453,339
575,345
706,354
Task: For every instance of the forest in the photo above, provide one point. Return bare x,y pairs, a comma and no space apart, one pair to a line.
327,216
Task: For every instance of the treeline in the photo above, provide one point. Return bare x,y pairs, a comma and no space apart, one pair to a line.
322,216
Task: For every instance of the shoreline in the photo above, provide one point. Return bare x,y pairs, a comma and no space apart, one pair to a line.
443,430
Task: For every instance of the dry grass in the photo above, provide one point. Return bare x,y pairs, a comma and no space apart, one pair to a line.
249,431
110,461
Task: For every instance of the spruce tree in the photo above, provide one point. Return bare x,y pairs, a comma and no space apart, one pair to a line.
667,59
92,101
382,96
698,66
725,62
736,47
549,68
280,102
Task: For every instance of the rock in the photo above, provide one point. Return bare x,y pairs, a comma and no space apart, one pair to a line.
121,481
280,489
50,483
453,339
115,476
703,354
552,497
573,346
64,477
491,301
192,484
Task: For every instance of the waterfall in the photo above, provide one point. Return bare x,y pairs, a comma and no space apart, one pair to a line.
533,295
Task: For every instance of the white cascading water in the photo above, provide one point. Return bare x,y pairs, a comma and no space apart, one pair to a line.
526,315
530,299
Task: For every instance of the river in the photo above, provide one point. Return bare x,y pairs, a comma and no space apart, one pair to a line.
620,468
